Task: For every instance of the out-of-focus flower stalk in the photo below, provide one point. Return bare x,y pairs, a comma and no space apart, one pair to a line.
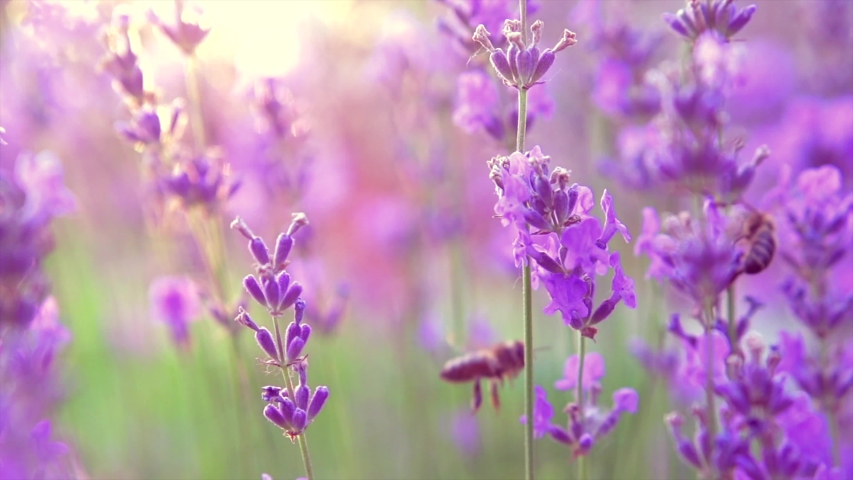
526,284
582,473
710,406
196,118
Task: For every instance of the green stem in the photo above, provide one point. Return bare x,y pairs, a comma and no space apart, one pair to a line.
194,99
528,372
301,438
527,296
582,473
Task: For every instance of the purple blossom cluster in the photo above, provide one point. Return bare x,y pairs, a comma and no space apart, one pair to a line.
566,246
32,194
30,395
588,423
181,175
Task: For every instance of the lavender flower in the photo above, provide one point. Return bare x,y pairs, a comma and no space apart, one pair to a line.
175,302
529,193
697,258
294,415
522,66
476,102
31,392
814,240
290,408
186,30
588,423
30,198
720,16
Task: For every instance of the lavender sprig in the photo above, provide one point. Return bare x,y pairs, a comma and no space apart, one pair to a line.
292,408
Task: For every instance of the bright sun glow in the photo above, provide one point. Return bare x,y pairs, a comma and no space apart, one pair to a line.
264,36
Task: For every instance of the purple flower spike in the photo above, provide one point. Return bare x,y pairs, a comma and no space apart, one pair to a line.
321,394
519,65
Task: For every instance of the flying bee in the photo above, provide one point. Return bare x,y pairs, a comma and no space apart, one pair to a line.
496,363
759,239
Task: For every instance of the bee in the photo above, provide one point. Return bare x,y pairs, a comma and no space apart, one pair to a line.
496,363
759,239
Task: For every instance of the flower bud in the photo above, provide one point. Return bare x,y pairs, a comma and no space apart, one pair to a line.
271,293
274,415
299,420
250,283
287,408
294,348
321,394
282,250
291,296
301,395
265,341
259,250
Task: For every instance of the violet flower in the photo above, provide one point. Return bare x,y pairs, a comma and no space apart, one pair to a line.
720,16
477,98
175,301
576,243
522,66
30,196
31,393
186,29
814,241
588,425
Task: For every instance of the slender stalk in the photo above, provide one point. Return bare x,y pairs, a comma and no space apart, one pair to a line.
196,118
526,288
709,380
303,441
730,314
582,473
528,372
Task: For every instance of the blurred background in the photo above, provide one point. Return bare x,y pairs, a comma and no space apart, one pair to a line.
352,112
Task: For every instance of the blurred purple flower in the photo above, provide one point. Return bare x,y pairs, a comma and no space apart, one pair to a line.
542,413
476,101
593,372
187,29
175,302
719,16
465,433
